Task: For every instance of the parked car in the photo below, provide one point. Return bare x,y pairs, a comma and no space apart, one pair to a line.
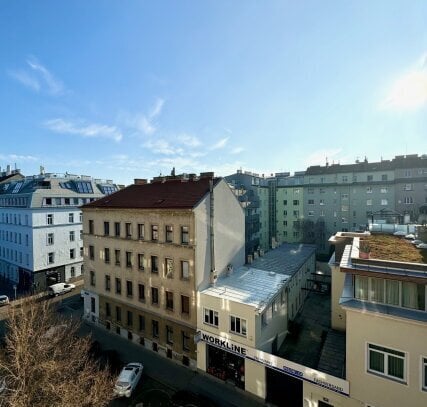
60,288
4,300
128,379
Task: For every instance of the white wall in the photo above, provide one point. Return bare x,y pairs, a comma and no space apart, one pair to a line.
229,234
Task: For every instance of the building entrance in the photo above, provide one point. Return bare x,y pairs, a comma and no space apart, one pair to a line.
226,366
283,390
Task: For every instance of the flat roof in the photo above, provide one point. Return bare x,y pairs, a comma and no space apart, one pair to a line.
248,285
286,259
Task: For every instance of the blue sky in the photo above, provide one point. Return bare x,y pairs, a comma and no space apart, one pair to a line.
127,89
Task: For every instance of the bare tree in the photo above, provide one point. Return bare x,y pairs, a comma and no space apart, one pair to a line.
45,363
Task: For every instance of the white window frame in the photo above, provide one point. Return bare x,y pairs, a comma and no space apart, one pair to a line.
242,321
71,217
386,355
210,316
50,242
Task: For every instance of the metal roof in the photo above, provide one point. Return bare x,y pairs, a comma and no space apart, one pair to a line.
248,285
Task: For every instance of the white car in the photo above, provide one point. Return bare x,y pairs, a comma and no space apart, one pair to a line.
60,288
4,300
128,379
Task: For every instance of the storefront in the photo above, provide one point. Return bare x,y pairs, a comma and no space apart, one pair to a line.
226,366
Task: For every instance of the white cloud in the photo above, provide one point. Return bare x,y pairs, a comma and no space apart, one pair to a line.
38,78
85,130
320,157
237,150
220,144
26,79
156,109
189,141
17,157
162,147
409,91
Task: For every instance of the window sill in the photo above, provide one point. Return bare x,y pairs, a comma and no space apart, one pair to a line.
393,379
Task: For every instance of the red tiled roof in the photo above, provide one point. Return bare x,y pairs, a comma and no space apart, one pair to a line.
158,195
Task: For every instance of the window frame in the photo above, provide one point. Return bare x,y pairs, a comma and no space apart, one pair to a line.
386,356
240,332
212,316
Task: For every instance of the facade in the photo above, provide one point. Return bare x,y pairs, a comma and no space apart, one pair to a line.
41,227
150,248
243,319
381,305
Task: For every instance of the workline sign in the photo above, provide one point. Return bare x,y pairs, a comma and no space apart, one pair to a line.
282,365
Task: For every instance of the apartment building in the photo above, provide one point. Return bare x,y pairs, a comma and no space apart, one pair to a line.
150,248
380,302
252,192
41,227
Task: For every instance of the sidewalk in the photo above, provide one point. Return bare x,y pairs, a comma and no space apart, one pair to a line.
172,374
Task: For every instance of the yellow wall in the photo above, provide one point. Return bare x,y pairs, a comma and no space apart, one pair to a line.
338,319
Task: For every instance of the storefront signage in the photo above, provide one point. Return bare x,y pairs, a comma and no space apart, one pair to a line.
285,366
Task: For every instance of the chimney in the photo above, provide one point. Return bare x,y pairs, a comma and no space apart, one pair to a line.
140,181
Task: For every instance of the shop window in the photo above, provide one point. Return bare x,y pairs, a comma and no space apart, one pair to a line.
387,362
117,330
238,325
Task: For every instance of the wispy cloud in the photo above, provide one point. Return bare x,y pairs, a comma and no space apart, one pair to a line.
17,157
237,150
83,129
220,144
189,141
320,157
162,147
144,123
38,78
409,91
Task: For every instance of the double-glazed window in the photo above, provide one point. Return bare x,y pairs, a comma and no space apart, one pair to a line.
211,317
238,325
72,253
50,258
387,362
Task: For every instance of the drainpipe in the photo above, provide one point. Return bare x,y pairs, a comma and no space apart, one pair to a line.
211,230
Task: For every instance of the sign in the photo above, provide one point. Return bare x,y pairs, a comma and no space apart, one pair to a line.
325,380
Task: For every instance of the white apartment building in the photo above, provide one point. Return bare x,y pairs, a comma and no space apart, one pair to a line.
41,227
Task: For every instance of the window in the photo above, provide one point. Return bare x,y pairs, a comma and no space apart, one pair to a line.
92,278
384,177
384,202
128,229
169,335
169,233
128,259
107,309
154,296
72,271
107,283
169,300
311,201
322,202
370,178
117,257
295,202
141,292
140,261
408,200
90,226
155,328
50,239
51,258
48,201
344,178
238,325
407,187
310,213
81,234
369,190
154,264
106,228
141,231
154,232
211,317
185,270
369,202
71,219
117,229
383,190
72,236
185,304
107,255
118,314
168,268
49,219
118,285
72,253
285,202
184,235
424,373
129,289
387,362
141,320
185,341
129,318
285,213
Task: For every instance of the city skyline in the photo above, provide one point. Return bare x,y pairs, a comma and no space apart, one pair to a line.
131,92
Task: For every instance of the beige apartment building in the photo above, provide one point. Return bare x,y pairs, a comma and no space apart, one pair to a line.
150,248
379,288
